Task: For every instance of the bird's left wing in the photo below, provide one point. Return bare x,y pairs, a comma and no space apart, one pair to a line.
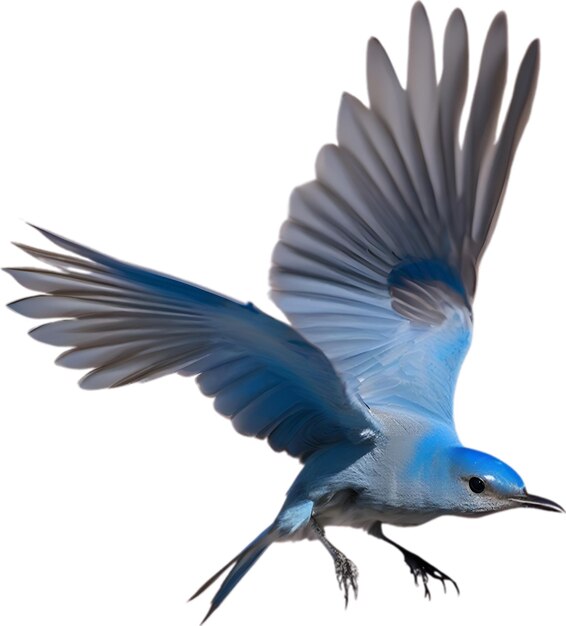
126,324
378,259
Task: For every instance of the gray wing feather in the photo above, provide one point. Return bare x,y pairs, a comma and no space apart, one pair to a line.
451,96
480,131
389,102
497,165
422,92
131,324
378,259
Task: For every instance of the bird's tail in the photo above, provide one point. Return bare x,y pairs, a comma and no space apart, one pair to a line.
241,564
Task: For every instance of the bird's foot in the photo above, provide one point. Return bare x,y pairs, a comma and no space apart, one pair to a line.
347,575
422,570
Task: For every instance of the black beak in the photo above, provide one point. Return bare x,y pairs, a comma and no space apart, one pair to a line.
536,502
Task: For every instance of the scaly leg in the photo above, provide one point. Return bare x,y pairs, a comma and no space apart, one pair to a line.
420,569
346,571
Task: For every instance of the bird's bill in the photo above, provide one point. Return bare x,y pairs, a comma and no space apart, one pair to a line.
536,502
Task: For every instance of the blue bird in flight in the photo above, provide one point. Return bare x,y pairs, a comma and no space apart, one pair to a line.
376,269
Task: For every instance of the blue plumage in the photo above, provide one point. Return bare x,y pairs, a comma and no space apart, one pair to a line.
376,269
425,271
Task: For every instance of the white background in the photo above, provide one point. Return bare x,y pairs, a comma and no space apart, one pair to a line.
170,134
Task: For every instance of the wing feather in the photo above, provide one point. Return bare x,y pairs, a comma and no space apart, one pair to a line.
377,263
130,324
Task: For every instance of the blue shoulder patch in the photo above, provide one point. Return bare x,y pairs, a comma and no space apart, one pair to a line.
424,271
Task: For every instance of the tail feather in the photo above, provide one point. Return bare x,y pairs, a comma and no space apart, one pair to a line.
212,579
241,564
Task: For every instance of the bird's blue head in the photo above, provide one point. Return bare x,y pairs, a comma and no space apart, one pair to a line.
480,484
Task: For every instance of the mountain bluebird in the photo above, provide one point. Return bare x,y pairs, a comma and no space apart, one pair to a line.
376,269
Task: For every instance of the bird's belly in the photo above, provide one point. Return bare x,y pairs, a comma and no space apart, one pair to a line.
358,514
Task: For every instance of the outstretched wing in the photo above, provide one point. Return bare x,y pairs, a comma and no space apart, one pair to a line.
378,259
130,324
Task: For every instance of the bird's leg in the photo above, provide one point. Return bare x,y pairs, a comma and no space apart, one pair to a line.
420,569
346,571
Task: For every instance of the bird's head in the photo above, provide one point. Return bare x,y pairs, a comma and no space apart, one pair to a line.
482,484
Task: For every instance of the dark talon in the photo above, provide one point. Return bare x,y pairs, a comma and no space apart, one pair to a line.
346,571
423,570
419,567
347,575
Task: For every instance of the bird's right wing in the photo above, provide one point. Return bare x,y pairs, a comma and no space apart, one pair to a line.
126,324
378,259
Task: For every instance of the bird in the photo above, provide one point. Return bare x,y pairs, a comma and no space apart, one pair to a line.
376,270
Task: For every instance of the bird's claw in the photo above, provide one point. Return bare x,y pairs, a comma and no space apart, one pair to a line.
421,569
347,575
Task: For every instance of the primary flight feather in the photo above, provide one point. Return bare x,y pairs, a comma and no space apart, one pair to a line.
376,269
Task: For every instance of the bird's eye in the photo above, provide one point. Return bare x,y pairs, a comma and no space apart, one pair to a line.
476,484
